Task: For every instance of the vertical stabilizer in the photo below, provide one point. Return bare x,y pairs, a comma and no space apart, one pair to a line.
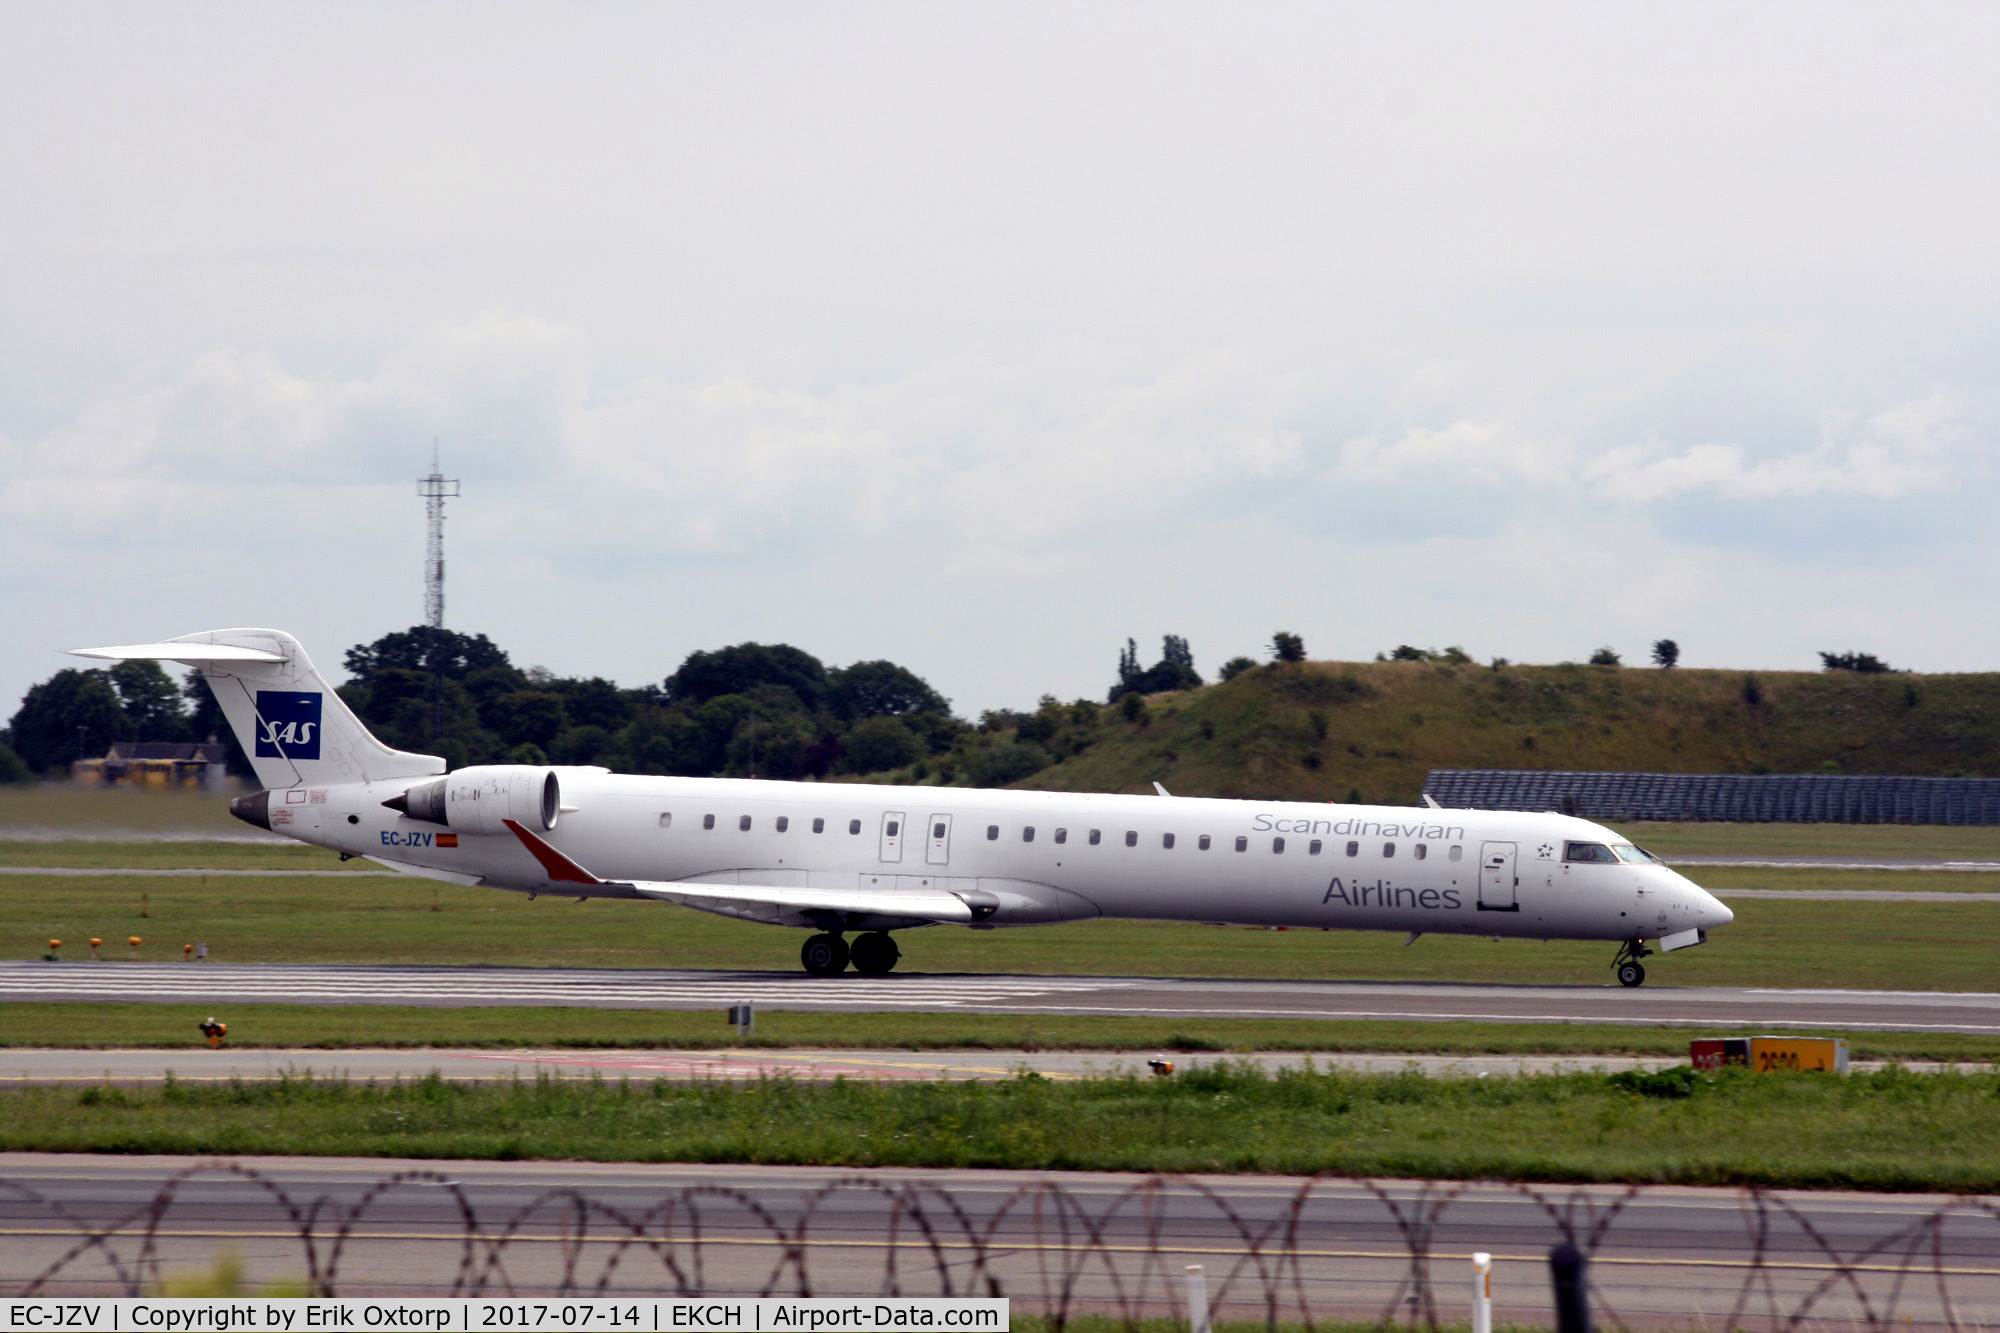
295,729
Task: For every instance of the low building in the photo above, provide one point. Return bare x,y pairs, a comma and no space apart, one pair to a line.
156,764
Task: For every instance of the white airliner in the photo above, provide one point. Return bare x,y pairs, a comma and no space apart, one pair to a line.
837,858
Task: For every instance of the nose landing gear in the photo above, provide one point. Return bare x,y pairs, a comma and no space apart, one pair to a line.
1630,973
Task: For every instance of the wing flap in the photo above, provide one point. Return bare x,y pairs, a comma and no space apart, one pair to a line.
930,904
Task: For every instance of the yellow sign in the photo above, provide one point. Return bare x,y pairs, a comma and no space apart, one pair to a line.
1770,1054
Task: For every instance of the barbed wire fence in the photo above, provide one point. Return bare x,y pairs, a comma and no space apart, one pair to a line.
1301,1253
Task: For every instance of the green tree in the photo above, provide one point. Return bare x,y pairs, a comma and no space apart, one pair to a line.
1605,657
772,745
422,648
1003,762
12,770
1865,663
877,744
881,689
1235,667
1174,671
593,702
586,745
744,666
74,714
1287,647
530,717
1666,653
151,700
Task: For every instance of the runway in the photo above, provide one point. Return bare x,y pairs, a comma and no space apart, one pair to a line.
217,984
1278,1247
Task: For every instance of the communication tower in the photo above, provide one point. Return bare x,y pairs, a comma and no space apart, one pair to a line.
435,489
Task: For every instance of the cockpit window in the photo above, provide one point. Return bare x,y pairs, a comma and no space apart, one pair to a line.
1637,856
1588,851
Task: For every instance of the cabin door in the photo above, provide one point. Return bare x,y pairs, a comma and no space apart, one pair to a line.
1497,880
937,850
892,835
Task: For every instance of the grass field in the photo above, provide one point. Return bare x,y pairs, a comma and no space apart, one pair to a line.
1891,1130
353,1027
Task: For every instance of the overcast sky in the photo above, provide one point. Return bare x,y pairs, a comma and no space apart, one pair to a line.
982,337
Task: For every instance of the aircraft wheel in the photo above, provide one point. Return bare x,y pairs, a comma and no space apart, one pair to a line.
1631,974
824,955
875,953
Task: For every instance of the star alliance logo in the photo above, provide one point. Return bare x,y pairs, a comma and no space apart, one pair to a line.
1545,851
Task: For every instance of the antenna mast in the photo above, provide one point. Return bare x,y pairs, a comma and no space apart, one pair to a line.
435,489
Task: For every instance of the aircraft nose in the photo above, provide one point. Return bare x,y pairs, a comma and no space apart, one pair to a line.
1713,911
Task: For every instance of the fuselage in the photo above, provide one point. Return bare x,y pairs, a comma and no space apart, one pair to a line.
1044,857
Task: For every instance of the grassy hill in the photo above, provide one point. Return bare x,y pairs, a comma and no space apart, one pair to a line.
1340,730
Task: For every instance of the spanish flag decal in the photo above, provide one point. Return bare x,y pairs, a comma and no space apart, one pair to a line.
447,840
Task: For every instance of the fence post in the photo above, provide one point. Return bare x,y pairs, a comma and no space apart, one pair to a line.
1197,1300
1572,1284
1482,1293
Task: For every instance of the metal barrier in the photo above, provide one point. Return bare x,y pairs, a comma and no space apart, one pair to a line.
1301,1252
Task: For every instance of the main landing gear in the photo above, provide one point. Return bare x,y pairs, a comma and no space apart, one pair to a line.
1630,973
827,955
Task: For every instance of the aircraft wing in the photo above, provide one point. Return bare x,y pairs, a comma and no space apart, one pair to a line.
928,904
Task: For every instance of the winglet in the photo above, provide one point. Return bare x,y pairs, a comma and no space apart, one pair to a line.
559,867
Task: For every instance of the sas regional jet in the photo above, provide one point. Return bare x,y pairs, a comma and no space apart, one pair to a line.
869,861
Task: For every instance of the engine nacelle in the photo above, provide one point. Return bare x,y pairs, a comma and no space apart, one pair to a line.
477,800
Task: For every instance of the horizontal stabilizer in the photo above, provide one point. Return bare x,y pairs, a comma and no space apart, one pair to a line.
180,652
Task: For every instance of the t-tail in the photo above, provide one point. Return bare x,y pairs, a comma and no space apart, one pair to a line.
296,731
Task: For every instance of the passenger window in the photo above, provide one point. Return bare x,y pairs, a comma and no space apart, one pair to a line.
854,826
1131,838
992,833
744,823
1354,849
1096,836
1243,844
1312,848
1167,841
1203,844
1420,851
1455,853
708,821
895,827
937,831
1062,836
1278,846
819,825
784,823
1388,849
1028,833
666,819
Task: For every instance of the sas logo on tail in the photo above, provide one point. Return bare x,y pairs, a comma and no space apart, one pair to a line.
287,725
